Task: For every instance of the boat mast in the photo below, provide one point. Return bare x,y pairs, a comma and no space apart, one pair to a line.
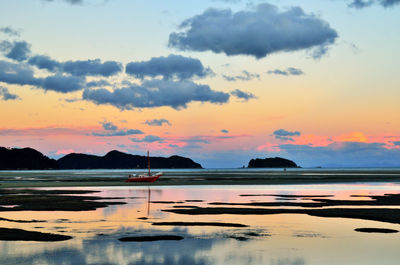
148,161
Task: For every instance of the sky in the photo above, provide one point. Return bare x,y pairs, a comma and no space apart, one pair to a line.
219,81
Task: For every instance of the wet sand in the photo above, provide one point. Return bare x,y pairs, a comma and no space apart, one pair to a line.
19,179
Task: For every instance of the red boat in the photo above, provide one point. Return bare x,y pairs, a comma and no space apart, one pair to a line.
147,177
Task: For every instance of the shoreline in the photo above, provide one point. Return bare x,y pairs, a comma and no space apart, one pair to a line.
31,179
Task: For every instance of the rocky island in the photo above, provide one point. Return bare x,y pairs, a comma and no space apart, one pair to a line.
274,162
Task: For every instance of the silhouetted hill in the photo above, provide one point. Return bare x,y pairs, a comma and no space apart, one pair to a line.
275,162
25,158
119,160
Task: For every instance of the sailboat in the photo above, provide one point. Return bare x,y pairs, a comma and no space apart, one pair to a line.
146,177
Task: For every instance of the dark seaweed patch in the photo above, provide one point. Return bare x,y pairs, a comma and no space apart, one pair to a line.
12,234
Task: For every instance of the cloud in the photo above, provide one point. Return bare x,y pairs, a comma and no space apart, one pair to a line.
224,131
62,83
260,32
284,135
366,3
10,31
22,74
92,67
157,122
345,154
109,126
243,95
288,71
173,66
119,133
148,139
79,68
16,50
155,93
245,76
397,143
18,74
44,62
112,130
98,83
6,95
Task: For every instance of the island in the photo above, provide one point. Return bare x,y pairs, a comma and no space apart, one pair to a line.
273,162
31,159
119,160
24,158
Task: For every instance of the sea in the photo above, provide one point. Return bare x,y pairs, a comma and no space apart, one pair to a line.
272,239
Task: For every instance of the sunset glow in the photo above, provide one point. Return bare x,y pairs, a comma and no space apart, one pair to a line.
221,82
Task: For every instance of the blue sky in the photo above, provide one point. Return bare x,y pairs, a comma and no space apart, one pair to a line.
220,81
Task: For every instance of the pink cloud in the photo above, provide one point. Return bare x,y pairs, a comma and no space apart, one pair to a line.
65,151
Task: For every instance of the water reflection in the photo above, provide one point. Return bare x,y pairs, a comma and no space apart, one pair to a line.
282,239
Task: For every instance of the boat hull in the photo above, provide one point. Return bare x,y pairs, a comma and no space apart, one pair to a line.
144,179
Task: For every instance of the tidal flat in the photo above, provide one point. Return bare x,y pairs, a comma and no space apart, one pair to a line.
292,223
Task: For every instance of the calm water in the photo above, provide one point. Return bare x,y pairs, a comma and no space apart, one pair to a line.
294,239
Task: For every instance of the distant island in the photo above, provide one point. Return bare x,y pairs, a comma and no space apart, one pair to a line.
119,160
274,162
31,159
25,158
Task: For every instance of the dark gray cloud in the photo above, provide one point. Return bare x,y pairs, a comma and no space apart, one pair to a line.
6,95
44,62
148,139
62,83
173,66
21,74
260,32
157,122
245,76
16,50
155,93
397,143
118,133
243,95
288,71
10,31
224,131
366,3
109,126
79,68
92,67
112,130
284,135
18,74
98,83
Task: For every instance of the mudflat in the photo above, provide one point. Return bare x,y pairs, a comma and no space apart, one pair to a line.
61,178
